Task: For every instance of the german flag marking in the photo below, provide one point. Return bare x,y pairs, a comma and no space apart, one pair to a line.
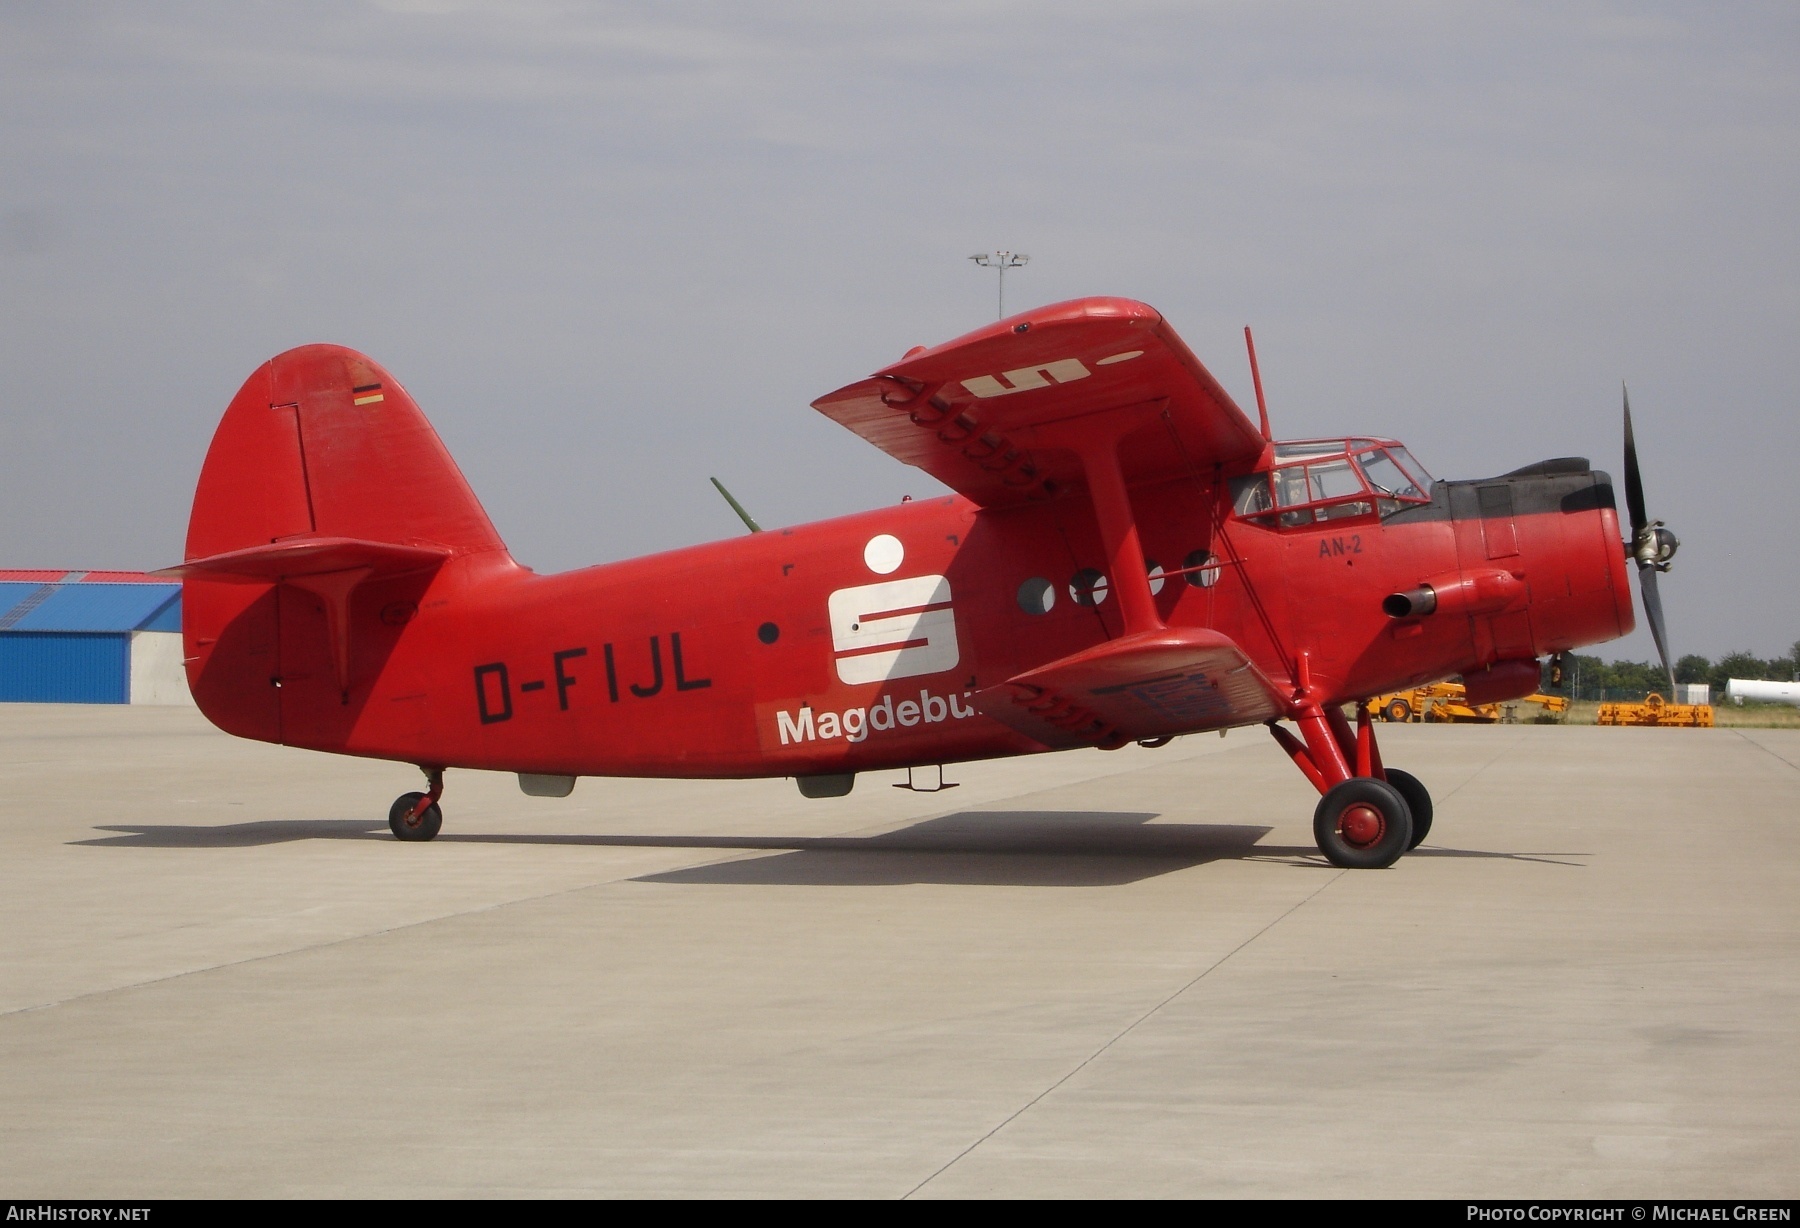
367,394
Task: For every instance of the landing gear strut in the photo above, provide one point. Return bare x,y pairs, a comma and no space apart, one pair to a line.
416,816
1368,815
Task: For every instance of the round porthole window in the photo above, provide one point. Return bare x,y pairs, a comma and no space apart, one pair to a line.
1087,587
1199,574
1157,575
1037,595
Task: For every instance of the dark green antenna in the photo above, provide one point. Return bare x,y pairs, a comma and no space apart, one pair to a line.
736,507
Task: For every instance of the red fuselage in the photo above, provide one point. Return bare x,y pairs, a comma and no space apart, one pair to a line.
857,643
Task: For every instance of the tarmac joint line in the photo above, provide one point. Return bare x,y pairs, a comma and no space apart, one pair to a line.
311,947
1759,746
1122,1034
1471,778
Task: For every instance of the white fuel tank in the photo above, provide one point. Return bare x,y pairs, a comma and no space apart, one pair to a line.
1737,690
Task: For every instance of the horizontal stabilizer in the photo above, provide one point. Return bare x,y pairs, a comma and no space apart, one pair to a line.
1149,685
309,556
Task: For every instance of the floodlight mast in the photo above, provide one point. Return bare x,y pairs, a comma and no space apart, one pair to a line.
1001,261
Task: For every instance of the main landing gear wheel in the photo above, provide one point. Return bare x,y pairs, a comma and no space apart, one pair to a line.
407,826
1397,710
1418,802
1362,824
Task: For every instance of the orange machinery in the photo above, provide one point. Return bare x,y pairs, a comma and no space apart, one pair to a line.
1447,701
1655,710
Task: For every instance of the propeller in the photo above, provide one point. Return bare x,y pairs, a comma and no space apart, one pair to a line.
1652,546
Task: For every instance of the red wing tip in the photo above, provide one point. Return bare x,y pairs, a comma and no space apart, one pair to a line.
1072,311
846,393
312,348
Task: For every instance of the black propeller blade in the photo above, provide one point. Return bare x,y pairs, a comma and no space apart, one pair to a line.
1634,481
1652,546
1653,612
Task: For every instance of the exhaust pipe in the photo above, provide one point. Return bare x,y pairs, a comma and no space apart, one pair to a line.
1485,590
1413,603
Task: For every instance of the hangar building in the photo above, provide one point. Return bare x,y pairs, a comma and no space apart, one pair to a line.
96,637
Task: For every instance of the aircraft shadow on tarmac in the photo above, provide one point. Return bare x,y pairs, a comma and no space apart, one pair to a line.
1027,848
235,835
981,847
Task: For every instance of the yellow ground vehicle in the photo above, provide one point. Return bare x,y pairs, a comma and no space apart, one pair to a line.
1655,710
1447,701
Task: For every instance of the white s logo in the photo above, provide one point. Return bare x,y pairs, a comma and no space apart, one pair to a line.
895,629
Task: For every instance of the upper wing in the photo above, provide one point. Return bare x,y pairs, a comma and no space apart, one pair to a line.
1155,684
968,412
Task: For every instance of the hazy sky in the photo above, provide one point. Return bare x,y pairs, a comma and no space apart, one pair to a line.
615,248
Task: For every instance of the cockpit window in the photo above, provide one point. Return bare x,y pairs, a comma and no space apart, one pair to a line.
1387,478
1334,486
1308,448
1421,476
1291,490
1250,494
1290,486
1331,479
1326,489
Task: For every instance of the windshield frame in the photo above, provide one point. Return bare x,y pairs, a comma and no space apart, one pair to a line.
1291,492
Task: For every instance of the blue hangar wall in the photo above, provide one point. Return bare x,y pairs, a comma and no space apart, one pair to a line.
90,638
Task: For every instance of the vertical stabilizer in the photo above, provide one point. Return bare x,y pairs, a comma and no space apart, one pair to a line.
325,507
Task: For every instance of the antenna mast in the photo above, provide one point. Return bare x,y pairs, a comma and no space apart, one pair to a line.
1262,406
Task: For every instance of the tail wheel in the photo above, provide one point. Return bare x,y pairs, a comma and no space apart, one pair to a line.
1363,824
1418,801
409,826
1397,710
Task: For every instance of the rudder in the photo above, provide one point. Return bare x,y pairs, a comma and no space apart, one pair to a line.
323,441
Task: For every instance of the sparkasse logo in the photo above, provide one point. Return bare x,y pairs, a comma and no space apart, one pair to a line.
894,629
879,633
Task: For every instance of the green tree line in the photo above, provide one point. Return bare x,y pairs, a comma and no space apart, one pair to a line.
1587,677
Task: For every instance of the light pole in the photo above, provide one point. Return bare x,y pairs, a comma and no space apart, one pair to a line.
1001,261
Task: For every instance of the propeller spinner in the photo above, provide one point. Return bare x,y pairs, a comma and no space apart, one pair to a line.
1652,546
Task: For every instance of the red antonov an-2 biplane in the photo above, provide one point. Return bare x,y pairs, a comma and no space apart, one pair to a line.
1127,558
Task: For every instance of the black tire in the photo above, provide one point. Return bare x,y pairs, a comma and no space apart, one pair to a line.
1397,710
1418,802
1362,824
405,827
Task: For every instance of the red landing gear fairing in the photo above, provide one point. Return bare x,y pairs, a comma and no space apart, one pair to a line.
1127,558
